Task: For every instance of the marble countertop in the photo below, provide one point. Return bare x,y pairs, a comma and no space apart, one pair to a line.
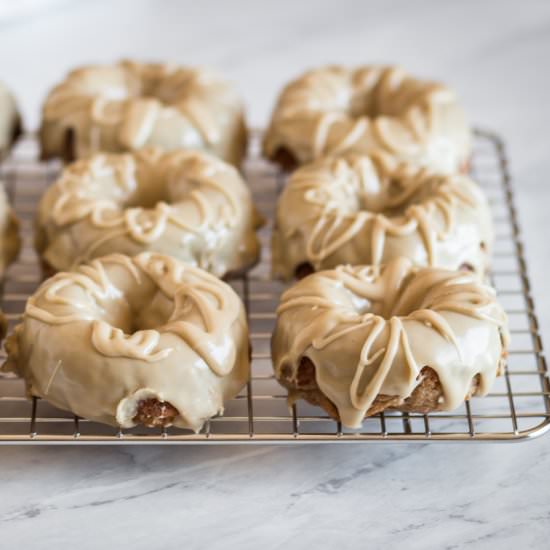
413,496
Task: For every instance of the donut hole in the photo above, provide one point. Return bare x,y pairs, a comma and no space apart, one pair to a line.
151,81
387,304
147,200
115,87
368,184
145,306
130,304
133,312
147,187
364,104
395,195
154,184
148,196
368,101
122,82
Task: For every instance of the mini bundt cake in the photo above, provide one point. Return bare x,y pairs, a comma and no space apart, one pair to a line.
188,204
356,209
126,341
129,105
363,339
368,109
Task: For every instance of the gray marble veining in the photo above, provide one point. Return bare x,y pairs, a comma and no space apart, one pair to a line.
496,54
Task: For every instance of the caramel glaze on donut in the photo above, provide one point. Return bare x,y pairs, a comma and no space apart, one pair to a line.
133,340
129,105
359,209
368,110
425,397
357,340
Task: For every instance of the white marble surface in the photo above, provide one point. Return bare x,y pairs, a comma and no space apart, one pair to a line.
496,54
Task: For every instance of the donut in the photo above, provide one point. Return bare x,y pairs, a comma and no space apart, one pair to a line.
10,242
130,105
10,121
356,209
133,340
188,204
358,340
382,109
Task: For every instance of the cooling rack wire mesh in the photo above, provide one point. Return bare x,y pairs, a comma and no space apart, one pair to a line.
517,408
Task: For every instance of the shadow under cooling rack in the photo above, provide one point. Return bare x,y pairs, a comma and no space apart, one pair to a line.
517,408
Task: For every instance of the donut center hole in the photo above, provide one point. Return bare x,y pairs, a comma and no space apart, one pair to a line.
119,85
364,107
153,190
391,199
385,305
145,311
148,196
159,89
371,105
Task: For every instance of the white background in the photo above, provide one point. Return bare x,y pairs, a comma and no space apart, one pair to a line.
497,55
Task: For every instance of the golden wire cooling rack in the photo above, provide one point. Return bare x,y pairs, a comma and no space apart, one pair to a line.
517,408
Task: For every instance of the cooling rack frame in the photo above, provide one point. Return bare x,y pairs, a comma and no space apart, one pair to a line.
517,409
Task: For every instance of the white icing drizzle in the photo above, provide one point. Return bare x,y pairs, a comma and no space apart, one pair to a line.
131,105
200,198
346,209
317,319
369,110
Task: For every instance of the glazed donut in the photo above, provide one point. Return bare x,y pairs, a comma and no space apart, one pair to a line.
188,204
10,242
356,210
126,341
10,121
359,340
369,109
127,106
